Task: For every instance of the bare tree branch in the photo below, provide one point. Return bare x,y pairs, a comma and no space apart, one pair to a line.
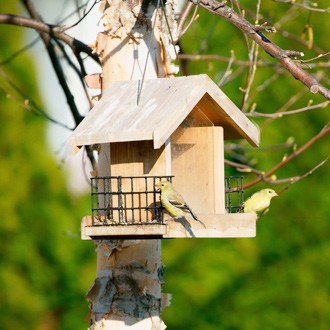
184,16
263,175
254,32
271,180
56,31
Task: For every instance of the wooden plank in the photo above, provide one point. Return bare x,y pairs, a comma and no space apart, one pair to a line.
197,166
104,160
87,231
218,170
217,225
102,171
137,158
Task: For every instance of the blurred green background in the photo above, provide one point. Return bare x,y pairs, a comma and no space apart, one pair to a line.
278,280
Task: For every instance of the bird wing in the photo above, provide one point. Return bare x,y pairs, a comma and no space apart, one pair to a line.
256,203
176,199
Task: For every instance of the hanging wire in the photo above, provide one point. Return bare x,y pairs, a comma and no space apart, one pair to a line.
148,53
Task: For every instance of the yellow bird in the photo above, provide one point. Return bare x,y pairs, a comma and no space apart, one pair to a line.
259,201
172,201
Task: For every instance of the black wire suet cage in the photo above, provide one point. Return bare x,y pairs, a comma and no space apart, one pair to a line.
133,200
126,200
234,193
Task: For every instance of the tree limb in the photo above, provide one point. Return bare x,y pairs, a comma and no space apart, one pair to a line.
56,31
254,32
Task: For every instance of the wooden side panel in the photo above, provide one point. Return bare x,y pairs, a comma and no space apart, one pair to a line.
219,170
136,158
197,164
101,200
104,160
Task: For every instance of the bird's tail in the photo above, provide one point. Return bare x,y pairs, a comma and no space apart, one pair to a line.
192,213
195,216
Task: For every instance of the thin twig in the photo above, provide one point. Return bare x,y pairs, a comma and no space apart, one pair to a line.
298,178
295,3
325,130
183,18
292,100
248,169
260,63
287,113
86,12
228,71
28,103
315,58
19,52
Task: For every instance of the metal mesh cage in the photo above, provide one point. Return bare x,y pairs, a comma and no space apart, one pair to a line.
120,200
128,200
234,193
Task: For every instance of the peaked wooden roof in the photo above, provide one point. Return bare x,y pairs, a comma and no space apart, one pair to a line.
164,104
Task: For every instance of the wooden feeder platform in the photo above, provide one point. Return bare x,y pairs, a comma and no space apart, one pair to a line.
227,225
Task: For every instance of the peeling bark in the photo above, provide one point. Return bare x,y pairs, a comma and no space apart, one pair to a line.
127,289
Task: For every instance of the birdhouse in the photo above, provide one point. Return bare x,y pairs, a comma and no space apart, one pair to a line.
166,129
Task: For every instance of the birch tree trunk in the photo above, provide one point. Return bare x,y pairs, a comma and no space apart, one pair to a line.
135,44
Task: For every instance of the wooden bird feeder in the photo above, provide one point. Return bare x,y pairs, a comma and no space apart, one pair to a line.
176,131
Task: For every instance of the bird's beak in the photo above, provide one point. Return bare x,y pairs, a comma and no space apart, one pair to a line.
157,186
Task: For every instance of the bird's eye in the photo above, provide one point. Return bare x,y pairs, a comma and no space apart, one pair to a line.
269,191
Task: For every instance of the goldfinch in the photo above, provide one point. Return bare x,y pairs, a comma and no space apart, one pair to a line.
259,201
172,201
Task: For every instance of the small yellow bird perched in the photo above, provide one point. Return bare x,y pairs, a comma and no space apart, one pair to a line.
259,201
172,201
